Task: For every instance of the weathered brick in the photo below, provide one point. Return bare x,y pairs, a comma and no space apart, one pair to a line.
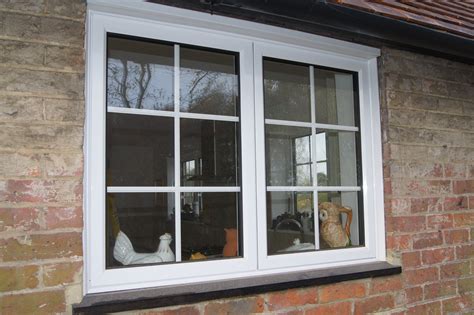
237,306
465,251
41,191
463,304
285,299
463,186
436,256
439,221
385,284
45,246
60,274
457,236
19,219
463,219
41,136
405,224
432,308
72,8
425,136
402,82
20,164
21,53
439,289
21,109
334,308
183,310
63,217
398,242
466,285
341,291
454,170
398,99
411,259
455,203
435,87
430,204
374,304
34,6
414,294
66,58
64,110
400,206
421,275
424,119
63,164
42,83
45,302
455,270
18,278
426,240
421,187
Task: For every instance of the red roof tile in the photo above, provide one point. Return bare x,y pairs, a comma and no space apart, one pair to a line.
456,17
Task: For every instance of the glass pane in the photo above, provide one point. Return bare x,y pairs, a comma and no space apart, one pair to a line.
140,150
334,93
140,229
139,74
209,82
286,91
285,146
208,153
340,219
209,225
290,222
338,158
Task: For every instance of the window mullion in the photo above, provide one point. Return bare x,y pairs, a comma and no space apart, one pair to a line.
177,158
314,169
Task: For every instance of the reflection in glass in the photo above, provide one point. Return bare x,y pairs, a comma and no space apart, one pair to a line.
337,159
208,153
286,91
209,225
140,150
288,155
340,219
139,74
143,218
290,222
334,93
208,82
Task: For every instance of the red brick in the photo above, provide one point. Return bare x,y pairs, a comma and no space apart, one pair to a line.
237,306
405,224
19,219
46,302
399,206
465,251
43,246
454,171
387,187
463,219
455,270
284,299
436,256
341,308
374,304
463,186
411,259
68,217
414,294
185,310
466,285
385,284
41,191
341,291
426,205
433,308
439,221
456,236
439,289
65,273
398,242
455,203
421,275
18,278
461,304
426,240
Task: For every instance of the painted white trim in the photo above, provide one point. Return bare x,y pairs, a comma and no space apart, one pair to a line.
303,124
138,18
177,153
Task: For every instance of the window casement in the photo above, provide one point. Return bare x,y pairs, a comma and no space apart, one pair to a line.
214,146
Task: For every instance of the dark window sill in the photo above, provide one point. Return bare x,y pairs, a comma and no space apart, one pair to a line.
193,293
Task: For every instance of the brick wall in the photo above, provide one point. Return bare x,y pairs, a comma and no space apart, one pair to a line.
41,135
428,135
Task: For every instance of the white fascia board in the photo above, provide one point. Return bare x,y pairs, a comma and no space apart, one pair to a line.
240,28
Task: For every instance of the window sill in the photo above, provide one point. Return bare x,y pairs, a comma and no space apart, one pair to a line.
193,293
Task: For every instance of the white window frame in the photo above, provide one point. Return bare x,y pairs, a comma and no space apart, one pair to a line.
252,41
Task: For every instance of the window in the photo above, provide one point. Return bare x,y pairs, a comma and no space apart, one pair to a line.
214,153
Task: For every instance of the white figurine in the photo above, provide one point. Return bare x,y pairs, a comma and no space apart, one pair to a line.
298,246
124,252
